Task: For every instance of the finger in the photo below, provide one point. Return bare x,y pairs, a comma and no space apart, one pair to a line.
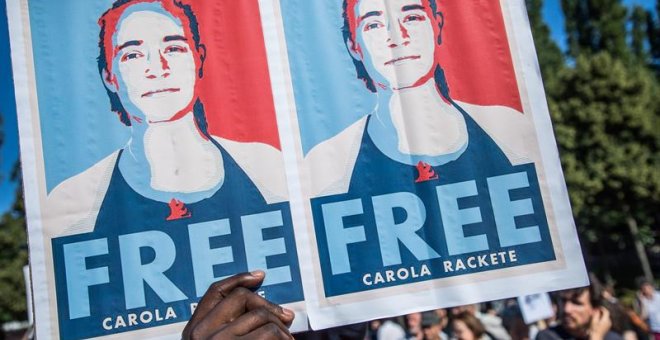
604,314
219,291
255,302
596,315
268,331
242,300
223,288
253,320
239,302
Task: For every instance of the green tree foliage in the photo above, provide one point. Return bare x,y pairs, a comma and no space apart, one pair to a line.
13,255
653,32
596,25
639,20
606,121
551,59
606,117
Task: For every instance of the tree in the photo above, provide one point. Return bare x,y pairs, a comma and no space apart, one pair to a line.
606,118
653,33
639,33
13,256
606,122
593,26
551,59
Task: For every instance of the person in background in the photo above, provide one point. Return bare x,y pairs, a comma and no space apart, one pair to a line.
582,316
513,321
492,323
391,330
372,330
466,326
621,322
432,326
649,306
638,325
414,326
444,319
356,331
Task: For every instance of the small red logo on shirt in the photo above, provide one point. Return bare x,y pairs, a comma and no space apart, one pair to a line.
426,172
178,210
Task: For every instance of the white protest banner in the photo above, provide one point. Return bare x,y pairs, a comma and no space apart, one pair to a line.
28,293
374,157
151,159
535,307
428,171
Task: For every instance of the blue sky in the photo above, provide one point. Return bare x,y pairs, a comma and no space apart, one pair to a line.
9,150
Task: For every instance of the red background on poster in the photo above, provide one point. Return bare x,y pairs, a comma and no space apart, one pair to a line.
236,89
475,53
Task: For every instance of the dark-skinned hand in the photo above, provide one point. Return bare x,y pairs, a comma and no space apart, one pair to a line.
230,310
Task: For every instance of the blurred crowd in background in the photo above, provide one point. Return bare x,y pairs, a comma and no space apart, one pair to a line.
593,312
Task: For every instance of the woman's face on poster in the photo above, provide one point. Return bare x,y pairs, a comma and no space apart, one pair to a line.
397,40
154,64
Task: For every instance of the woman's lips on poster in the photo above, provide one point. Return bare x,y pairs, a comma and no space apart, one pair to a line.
159,91
401,60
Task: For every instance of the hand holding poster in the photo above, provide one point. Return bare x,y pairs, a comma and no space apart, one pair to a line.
381,156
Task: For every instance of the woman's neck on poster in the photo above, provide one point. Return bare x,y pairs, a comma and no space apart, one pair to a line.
424,121
174,155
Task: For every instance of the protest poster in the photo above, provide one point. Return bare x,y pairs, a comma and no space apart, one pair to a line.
28,293
152,164
535,307
381,156
430,175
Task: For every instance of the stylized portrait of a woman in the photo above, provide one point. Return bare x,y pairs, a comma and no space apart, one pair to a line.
420,178
176,208
151,60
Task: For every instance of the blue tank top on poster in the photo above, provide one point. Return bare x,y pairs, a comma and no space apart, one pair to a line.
160,244
402,196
